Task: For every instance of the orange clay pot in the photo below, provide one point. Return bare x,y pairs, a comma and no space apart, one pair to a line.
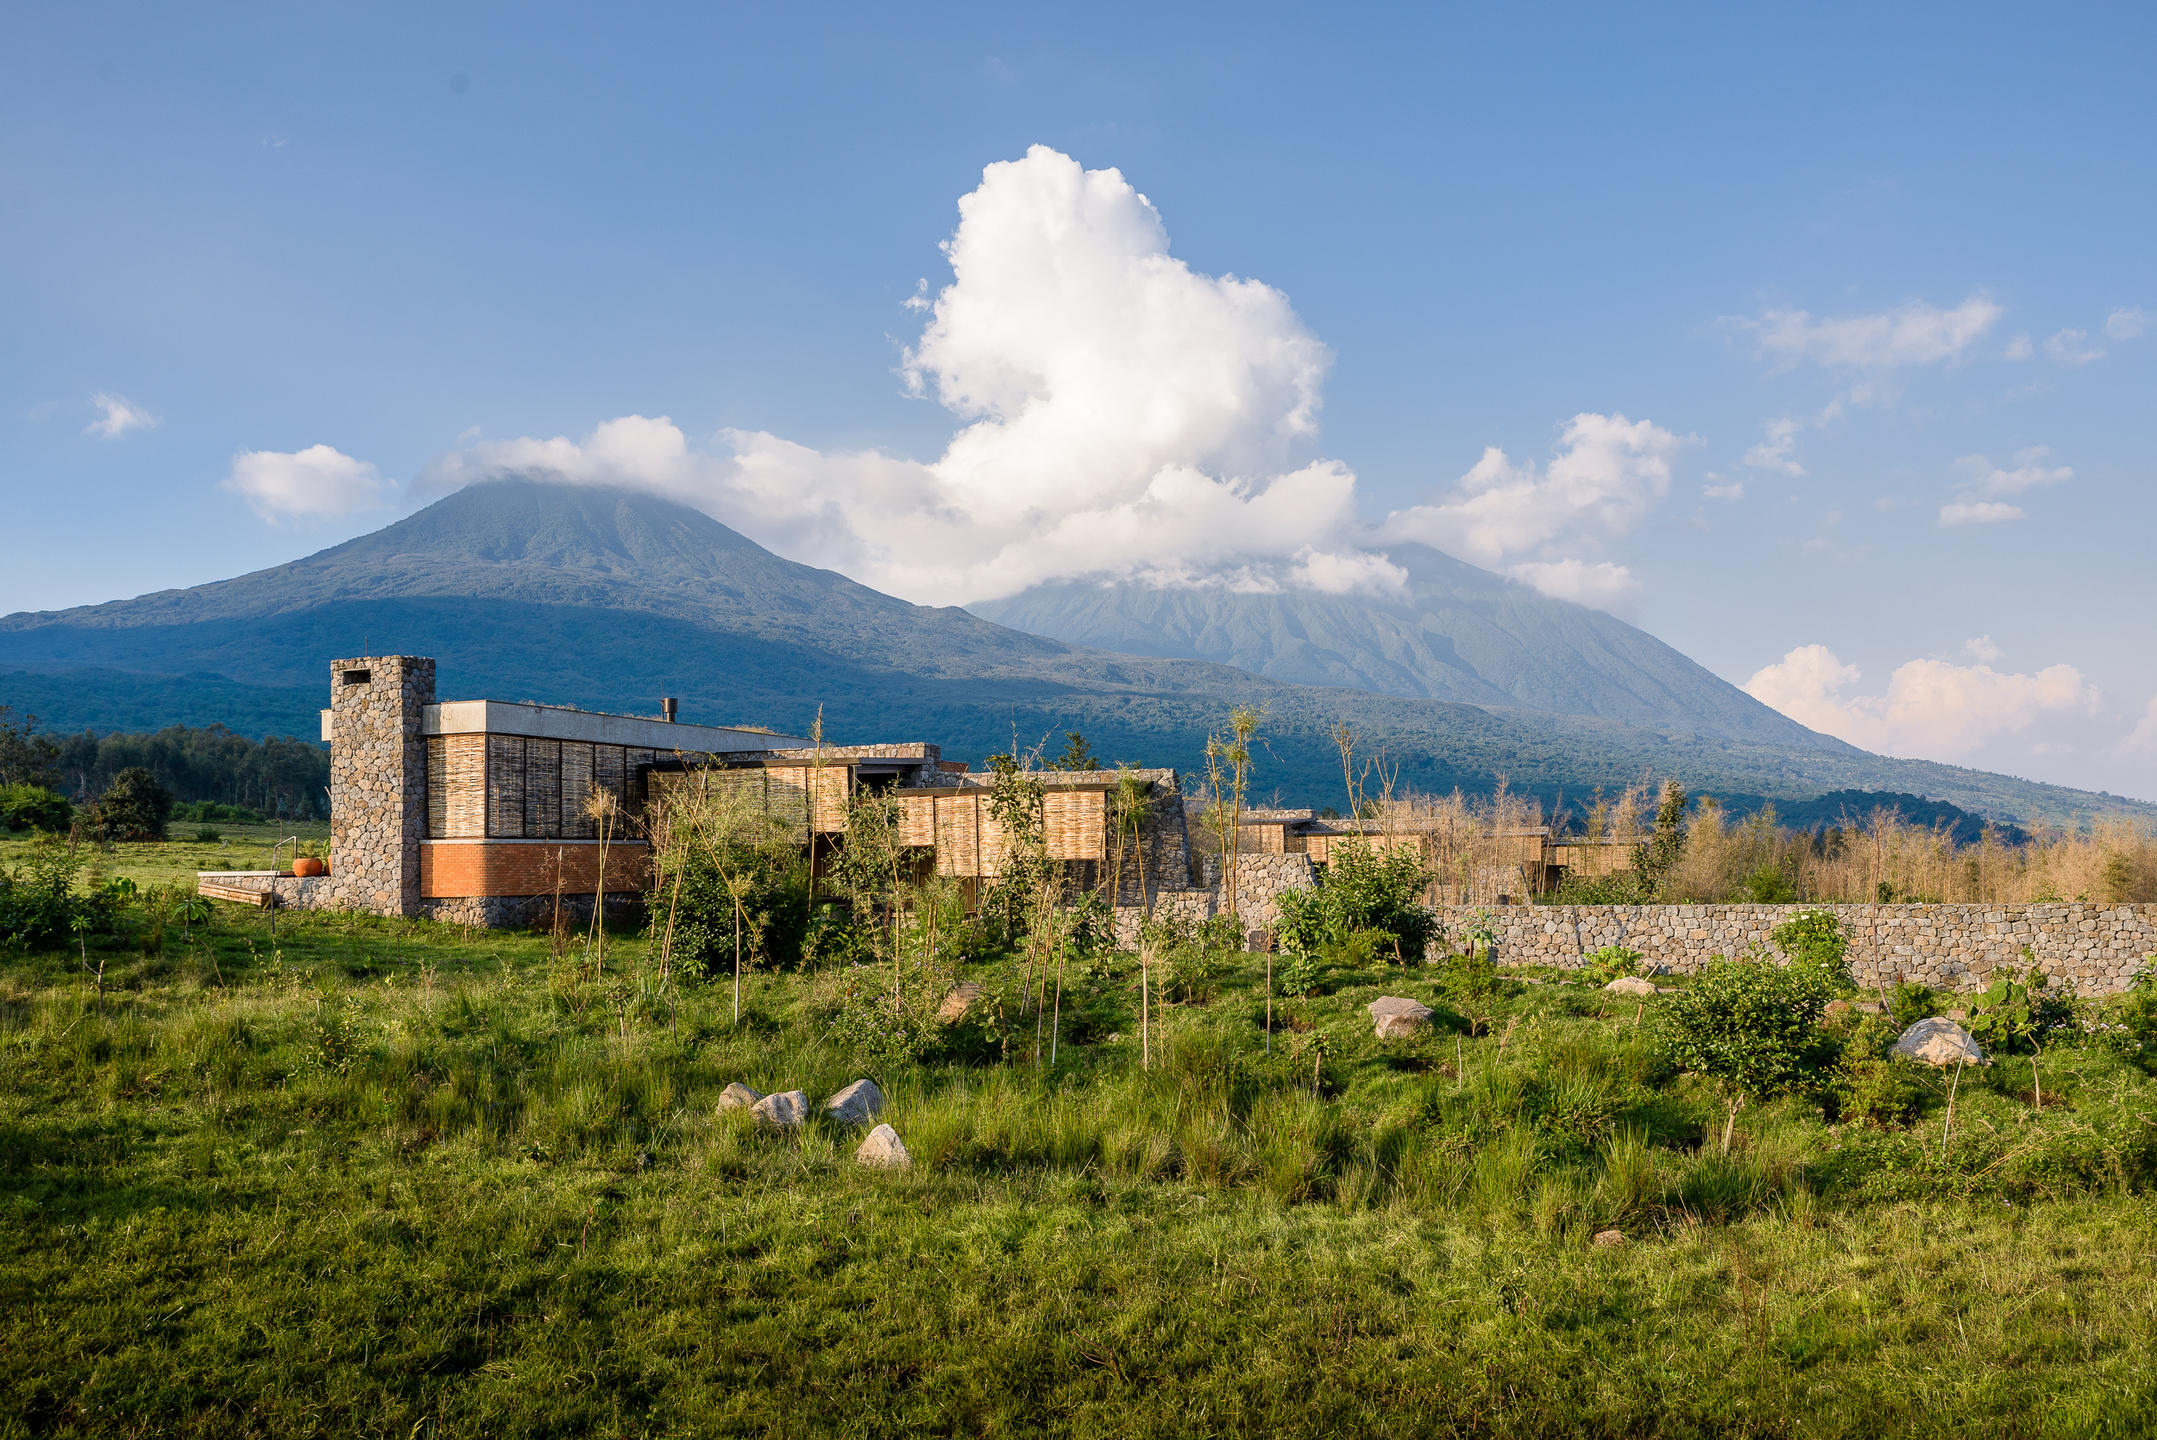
307,866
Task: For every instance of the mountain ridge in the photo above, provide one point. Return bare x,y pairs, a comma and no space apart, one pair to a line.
611,598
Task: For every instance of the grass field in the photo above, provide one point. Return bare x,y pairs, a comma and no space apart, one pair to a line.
380,1178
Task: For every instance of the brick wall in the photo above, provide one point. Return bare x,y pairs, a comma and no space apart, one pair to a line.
451,869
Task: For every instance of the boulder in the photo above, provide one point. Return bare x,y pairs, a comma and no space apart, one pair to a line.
1394,1017
783,1112
1631,985
1840,1009
738,1096
1939,1041
1610,1237
883,1150
957,1002
857,1104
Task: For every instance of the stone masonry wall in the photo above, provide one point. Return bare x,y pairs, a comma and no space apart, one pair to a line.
378,782
2099,948
1260,881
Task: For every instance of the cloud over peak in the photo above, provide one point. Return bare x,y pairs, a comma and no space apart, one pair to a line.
318,483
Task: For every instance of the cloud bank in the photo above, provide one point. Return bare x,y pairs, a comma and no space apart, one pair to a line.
1931,709
1119,414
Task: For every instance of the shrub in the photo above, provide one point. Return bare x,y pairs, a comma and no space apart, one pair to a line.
2131,1028
1752,1026
33,807
2016,1016
209,835
1363,892
1770,885
134,806
1611,962
38,904
1874,1085
1814,940
1909,1002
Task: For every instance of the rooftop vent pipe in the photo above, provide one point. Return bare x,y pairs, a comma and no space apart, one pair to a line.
669,704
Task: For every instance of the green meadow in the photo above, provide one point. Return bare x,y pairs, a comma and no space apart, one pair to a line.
370,1177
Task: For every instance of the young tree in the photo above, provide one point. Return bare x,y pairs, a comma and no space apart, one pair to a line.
1130,813
1078,755
1228,777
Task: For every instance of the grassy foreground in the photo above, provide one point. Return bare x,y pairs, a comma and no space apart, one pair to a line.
376,1178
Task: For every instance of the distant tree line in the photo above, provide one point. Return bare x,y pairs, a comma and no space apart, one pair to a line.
282,777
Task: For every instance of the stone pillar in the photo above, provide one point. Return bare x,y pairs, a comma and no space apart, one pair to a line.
378,781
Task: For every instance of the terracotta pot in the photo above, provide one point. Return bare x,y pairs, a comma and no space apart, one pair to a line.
307,866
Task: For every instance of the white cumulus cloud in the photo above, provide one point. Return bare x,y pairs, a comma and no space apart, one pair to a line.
116,415
1910,334
1931,709
318,483
2131,323
1121,414
1983,482
1532,520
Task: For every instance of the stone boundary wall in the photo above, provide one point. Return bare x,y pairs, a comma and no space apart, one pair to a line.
2099,948
1260,882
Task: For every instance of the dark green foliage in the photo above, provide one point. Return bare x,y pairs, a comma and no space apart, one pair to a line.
27,757
1611,962
133,807
1362,892
1814,940
2017,1015
40,906
33,807
198,811
1770,885
1078,755
1909,1002
1751,1025
777,926
1655,857
2130,1029
1870,1084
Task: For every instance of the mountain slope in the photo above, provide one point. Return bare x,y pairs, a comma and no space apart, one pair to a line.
610,599
1455,632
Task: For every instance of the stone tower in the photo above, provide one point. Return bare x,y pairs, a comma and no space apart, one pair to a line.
378,781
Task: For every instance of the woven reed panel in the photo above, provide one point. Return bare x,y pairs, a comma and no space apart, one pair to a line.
463,791
786,799
437,788
917,819
958,835
993,843
611,772
1272,839
832,793
1318,848
1075,823
542,789
505,786
577,792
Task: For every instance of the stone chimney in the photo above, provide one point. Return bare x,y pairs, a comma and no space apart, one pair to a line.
378,781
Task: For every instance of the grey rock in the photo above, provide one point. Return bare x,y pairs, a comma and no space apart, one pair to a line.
1939,1041
957,1002
883,1150
738,1096
1631,985
1394,1017
784,1111
857,1104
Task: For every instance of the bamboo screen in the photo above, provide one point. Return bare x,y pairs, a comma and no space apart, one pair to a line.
456,786
1075,823
782,790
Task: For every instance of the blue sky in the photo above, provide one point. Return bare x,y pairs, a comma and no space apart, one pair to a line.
1858,311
